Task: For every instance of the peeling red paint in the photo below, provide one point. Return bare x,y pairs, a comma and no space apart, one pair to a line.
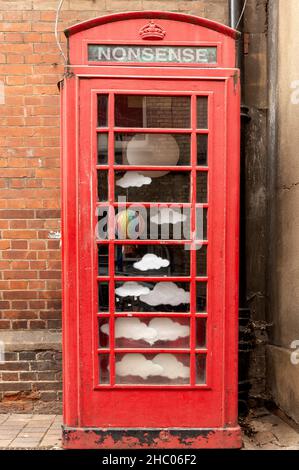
152,439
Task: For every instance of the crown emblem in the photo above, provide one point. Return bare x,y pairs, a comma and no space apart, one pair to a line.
152,31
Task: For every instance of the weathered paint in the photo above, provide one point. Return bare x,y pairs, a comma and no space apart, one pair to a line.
92,438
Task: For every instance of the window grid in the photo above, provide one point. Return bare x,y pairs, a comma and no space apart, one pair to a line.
193,279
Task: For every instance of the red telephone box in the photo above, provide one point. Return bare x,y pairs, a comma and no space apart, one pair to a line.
150,158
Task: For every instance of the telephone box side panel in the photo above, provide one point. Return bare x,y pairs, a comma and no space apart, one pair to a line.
69,136
232,251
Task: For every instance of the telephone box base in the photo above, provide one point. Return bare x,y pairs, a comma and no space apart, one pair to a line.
115,438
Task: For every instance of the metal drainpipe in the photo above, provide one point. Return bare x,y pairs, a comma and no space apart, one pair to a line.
235,9
234,12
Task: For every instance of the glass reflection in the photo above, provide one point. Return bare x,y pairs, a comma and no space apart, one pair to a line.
201,369
202,149
138,186
152,111
103,332
103,260
133,296
201,223
202,187
102,149
152,150
103,296
152,260
201,261
154,223
201,297
104,375
202,112
102,185
148,332
154,369
201,334
102,110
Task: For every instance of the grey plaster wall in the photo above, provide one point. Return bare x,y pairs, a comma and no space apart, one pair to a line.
283,235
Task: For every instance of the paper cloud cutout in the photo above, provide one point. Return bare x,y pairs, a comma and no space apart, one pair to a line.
131,289
162,365
166,293
137,364
158,329
172,368
168,216
133,179
151,261
168,330
132,328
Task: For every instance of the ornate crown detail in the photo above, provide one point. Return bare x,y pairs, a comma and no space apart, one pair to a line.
152,31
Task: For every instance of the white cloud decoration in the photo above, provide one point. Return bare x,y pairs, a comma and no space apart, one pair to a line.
168,216
158,329
137,364
151,261
133,179
132,328
168,330
166,293
162,365
172,367
131,289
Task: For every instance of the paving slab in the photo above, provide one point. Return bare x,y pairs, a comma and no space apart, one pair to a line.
4,443
267,432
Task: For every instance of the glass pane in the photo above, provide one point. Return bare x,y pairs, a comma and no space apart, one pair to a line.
154,369
202,186
152,149
102,149
103,332
201,297
102,185
152,260
154,223
201,223
201,261
202,112
103,291
102,110
136,296
201,369
202,149
103,260
152,111
201,324
104,375
153,186
146,332
102,225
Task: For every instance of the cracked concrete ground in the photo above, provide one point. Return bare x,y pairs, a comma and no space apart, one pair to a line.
261,431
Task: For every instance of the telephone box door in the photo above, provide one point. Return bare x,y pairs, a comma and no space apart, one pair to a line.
156,342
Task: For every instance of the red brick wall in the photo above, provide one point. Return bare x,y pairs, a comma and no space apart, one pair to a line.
30,67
